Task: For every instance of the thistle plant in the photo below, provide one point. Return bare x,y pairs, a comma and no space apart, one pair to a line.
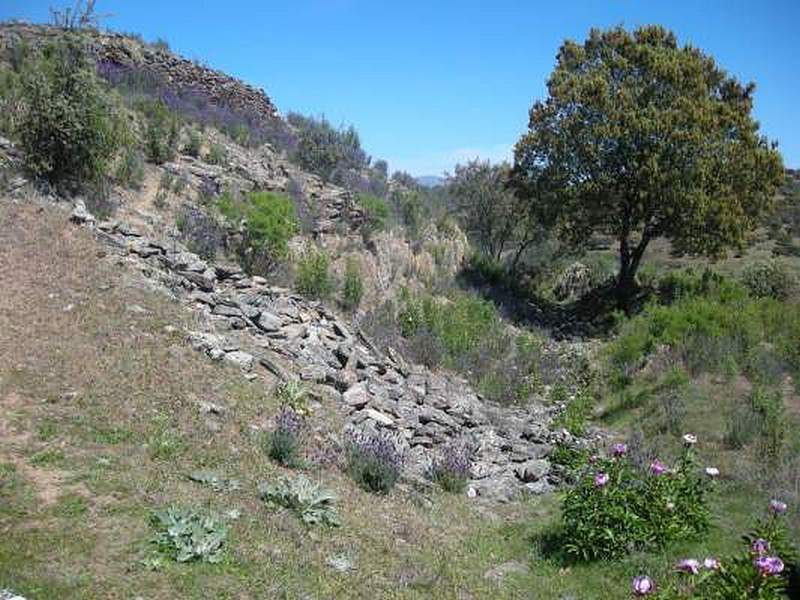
313,504
186,535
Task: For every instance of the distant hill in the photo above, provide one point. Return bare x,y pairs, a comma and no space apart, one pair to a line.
430,180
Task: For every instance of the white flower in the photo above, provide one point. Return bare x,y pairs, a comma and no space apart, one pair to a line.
689,439
712,472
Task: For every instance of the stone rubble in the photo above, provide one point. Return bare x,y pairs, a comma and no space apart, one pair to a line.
291,337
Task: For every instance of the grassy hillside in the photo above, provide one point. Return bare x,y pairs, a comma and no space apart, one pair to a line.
103,419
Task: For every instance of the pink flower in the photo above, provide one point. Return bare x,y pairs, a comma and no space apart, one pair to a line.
593,459
643,585
689,439
768,565
712,472
619,450
689,565
777,507
600,479
657,467
760,546
711,563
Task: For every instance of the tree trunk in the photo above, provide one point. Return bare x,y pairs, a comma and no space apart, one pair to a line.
629,261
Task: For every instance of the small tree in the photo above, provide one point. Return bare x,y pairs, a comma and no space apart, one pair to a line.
494,217
641,138
70,127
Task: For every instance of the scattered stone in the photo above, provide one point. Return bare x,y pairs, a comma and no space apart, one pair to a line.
80,215
243,360
211,408
500,572
379,417
340,563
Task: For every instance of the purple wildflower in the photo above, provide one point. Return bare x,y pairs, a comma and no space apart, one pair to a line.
760,546
711,563
643,585
288,421
453,467
688,565
619,450
600,479
777,507
657,467
768,565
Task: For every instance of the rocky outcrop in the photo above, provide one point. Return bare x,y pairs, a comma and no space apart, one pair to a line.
181,74
263,328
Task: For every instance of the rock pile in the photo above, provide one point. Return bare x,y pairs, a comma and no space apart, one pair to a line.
182,74
259,326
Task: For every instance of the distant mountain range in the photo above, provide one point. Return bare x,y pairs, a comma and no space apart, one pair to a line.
430,180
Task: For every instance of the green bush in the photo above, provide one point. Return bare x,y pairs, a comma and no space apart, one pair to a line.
613,509
353,288
761,570
270,224
194,145
461,323
161,132
711,325
312,275
216,155
130,169
70,127
377,213
770,279
325,150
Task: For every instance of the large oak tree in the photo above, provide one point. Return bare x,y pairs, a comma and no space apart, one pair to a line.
641,138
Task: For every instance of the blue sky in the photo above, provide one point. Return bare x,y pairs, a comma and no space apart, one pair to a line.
431,83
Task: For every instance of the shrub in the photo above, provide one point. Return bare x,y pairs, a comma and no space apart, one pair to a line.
377,214
613,509
373,461
70,127
452,468
216,155
353,288
762,569
770,279
186,535
307,499
161,133
283,443
326,151
270,224
130,169
194,144
312,275
461,323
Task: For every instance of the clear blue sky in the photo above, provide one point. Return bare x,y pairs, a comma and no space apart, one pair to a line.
429,83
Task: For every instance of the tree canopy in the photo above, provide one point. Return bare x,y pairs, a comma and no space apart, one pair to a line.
641,138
